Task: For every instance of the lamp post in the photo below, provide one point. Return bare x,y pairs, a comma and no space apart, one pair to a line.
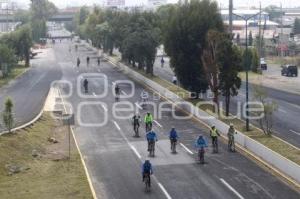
246,19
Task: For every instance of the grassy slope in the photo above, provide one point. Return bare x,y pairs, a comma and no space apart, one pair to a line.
46,178
14,74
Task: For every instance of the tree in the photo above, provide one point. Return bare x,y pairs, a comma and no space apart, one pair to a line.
184,40
250,39
41,10
7,59
269,107
296,28
7,115
255,60
230,60
273,11
238,40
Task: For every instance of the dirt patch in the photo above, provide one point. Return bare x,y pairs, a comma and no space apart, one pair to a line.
32,167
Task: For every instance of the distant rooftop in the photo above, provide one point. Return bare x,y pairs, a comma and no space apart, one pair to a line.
242,12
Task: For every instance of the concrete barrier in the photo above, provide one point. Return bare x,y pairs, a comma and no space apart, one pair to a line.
274,159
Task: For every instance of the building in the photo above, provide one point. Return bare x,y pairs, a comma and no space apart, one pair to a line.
153,4
115,4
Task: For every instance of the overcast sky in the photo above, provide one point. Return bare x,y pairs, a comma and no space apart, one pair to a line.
223,3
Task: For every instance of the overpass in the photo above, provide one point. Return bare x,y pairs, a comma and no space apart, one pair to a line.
59,17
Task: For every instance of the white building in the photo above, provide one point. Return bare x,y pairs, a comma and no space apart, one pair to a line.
153,4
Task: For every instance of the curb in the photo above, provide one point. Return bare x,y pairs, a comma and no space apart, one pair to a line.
28,123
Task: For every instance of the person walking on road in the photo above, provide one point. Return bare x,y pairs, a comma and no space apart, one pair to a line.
98,61
78,62
87,60
174,80
136,120
162,61
230,135
214,137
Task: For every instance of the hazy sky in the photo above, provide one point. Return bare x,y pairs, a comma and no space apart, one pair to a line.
64,3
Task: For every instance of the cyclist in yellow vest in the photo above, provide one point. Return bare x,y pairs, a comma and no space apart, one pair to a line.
148,121
214,137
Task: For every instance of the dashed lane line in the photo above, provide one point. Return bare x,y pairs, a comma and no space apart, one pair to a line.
158,124
188,150
231,188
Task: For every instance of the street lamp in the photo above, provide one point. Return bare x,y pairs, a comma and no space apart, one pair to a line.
246,19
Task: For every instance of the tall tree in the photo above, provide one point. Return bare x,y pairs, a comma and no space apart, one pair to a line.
7,59
184,39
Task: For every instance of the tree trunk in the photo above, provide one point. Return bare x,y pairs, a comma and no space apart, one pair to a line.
27,59
227,103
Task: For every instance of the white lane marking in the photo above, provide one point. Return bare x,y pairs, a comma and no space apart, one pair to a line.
123,92
231,188
191,152
104,107
281,110
135,151
117,125
294,132
158,124
94,93
138,106
164,190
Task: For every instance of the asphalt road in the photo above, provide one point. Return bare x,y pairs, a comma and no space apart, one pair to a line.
114,157
286,122
29,91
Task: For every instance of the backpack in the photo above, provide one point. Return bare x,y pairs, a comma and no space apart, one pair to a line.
147,167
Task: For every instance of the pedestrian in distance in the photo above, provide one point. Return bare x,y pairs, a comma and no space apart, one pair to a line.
87,60
214,134
174,80
162,61
78,62
98,61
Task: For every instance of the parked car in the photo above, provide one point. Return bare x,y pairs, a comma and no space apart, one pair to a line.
263,65
289,70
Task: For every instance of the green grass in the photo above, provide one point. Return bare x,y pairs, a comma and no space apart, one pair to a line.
14,74
46,177
271,142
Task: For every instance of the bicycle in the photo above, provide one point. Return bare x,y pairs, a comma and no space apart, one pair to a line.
215,144
231,144
201,152
151,148
148,126
136,130
147,181
173,145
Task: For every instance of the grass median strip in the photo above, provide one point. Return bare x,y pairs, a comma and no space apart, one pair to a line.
272,142
12,75
34,164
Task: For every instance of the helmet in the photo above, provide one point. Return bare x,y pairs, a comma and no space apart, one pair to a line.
173,127
231,125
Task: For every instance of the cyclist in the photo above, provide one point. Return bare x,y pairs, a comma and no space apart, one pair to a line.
136,119
173,138
200,144
117,92
88,60
214,137
85,85
230,135
144,97
76,47
174,80
148,121
147,170
151,138
78,61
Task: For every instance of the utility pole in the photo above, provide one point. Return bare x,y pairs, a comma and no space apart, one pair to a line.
281,34
230,16
259,34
